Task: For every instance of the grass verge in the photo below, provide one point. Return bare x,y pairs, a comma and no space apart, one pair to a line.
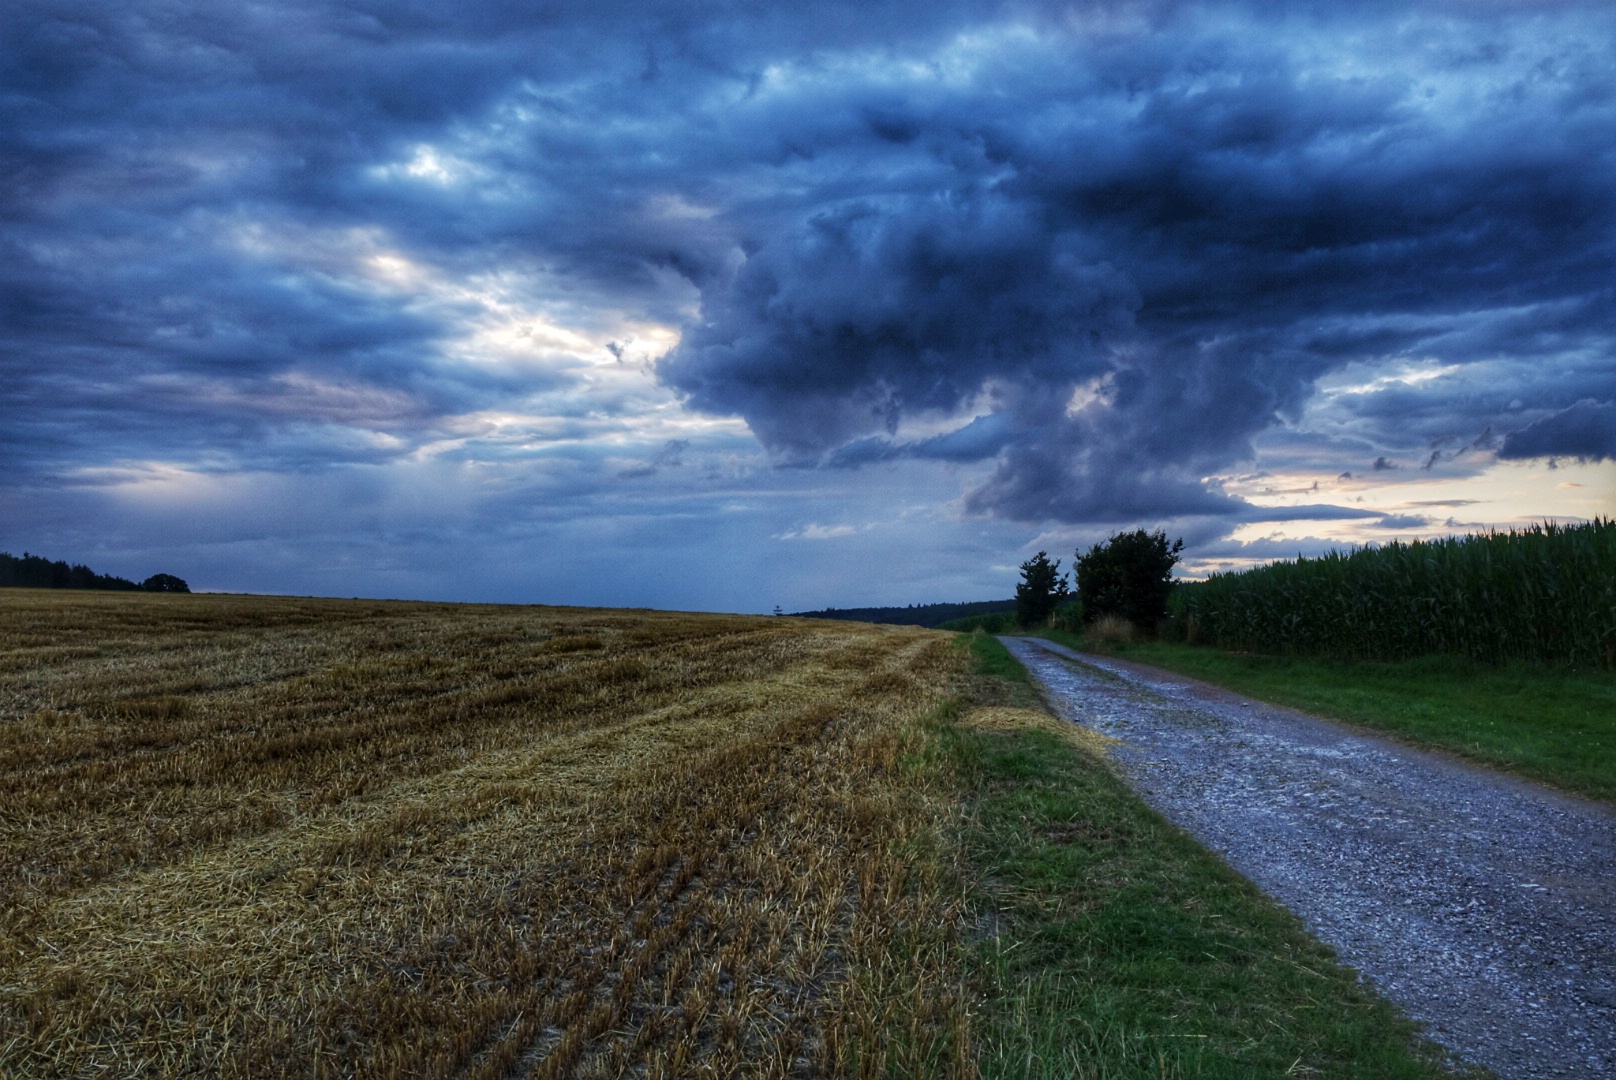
1110,944
1557,725
1008,680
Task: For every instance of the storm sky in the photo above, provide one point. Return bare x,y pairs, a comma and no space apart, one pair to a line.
730,305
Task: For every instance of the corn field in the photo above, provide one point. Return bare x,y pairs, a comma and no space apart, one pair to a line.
1544,594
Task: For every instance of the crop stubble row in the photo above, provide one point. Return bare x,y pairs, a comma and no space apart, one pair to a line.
347,838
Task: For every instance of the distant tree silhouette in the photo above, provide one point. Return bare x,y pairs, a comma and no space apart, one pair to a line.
1042,587
164,583
913,614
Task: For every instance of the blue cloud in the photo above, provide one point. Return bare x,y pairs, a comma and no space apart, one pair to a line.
1586,430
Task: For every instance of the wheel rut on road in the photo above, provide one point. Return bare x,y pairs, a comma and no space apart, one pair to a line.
1482,904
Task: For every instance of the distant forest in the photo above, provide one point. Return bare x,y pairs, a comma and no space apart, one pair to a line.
930,615
35,572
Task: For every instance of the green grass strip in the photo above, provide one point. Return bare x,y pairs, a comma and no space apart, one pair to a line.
1111,944
995,664
1557,725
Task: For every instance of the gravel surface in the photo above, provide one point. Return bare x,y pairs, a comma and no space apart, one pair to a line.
1483,905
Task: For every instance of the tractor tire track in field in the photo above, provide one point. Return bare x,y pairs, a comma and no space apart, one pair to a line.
1483,905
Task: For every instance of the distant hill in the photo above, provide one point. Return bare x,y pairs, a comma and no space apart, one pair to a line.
37,572
930,615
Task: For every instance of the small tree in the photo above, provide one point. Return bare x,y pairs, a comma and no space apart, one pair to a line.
1042,588
164,583
1130,575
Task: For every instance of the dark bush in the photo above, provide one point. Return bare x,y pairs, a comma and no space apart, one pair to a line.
1068,616
1129,576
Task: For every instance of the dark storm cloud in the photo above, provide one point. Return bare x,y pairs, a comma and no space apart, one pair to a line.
877,310
981,438
1586,430
1097,250
1236,214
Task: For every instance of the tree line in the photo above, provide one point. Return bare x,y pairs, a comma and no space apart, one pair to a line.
37,572
929,615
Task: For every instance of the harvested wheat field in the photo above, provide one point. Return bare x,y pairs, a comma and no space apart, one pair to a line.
261,836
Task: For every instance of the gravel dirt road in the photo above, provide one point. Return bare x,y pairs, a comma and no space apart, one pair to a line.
1485,906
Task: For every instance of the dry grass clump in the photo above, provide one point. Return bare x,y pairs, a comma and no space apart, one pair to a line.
1111,630
264,836
1007,720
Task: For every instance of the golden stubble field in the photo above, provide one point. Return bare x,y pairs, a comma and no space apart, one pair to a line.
250,836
